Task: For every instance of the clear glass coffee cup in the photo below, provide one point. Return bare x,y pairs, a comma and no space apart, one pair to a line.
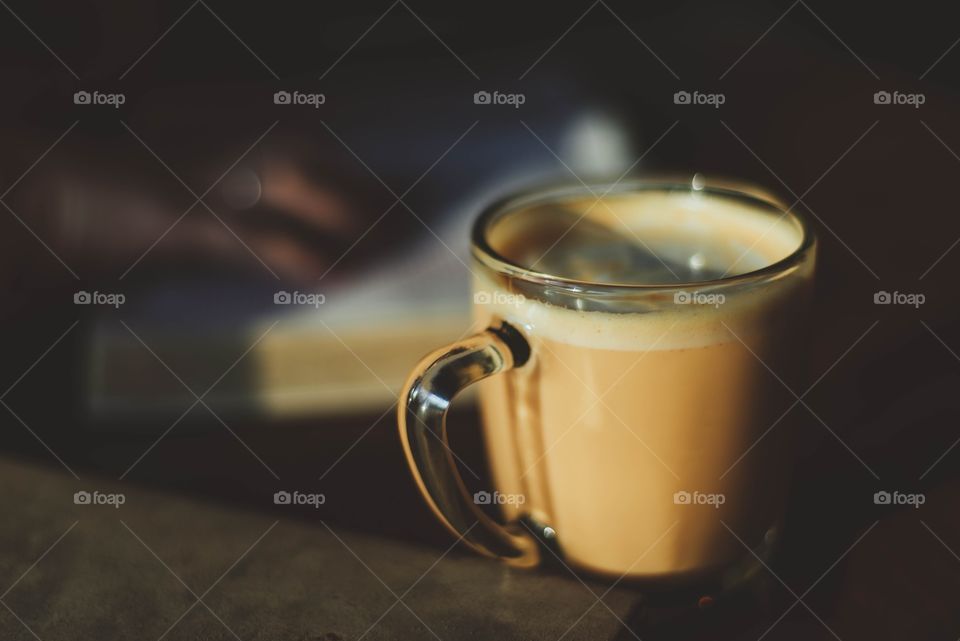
629,378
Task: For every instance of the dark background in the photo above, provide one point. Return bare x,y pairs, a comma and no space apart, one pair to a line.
878,182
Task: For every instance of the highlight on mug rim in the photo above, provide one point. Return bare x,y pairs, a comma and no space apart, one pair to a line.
749,194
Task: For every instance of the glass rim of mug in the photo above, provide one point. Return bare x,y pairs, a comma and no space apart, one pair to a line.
489,257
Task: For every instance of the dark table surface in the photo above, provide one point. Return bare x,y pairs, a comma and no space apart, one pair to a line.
138,571
175,565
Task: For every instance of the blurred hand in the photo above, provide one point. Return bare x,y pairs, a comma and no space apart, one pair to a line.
277,211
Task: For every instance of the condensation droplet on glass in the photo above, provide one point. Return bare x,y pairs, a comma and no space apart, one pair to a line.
697,262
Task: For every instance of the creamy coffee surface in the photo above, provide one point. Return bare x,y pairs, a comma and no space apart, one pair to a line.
646,238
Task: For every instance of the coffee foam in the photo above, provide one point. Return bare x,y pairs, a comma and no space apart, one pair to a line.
752,238
674,326
652,237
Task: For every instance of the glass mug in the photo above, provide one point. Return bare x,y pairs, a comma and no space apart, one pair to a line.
629,378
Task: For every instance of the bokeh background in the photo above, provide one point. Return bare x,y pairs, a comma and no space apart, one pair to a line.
261,275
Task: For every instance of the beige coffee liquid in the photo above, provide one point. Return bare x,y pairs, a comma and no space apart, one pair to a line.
616,413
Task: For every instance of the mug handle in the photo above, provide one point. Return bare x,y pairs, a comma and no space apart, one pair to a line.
422,418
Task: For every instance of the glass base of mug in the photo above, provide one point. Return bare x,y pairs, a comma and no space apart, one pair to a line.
701,588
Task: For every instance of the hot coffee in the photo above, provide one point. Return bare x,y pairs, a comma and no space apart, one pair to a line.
621,429
637,420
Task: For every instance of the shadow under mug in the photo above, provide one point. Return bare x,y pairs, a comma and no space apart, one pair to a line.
629,378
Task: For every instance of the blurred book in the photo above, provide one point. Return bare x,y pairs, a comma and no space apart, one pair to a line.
353,352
